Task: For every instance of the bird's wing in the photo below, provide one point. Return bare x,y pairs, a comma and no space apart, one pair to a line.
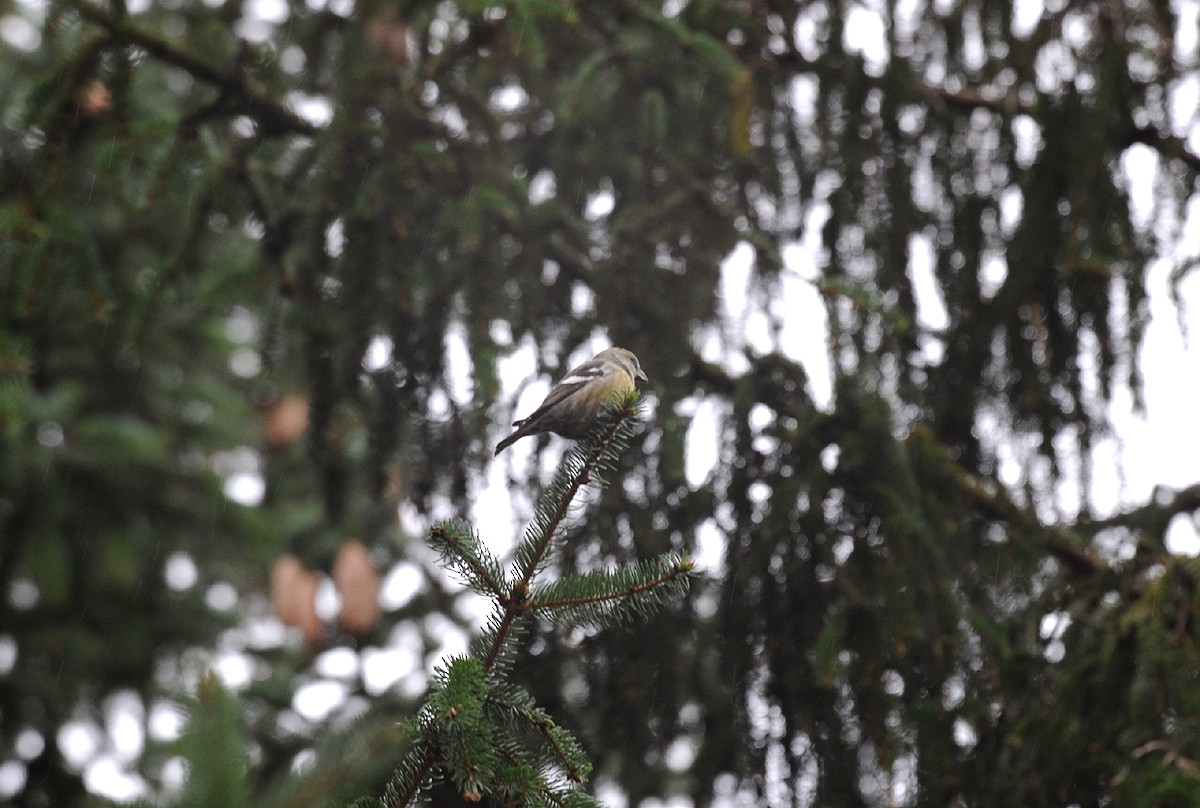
561,391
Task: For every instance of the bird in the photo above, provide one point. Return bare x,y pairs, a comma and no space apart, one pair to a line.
575,403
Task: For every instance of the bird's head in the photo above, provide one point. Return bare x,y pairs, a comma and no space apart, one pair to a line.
627,360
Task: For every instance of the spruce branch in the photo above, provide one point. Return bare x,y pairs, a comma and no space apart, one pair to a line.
595,453
613,596
598,451
499,640
460,549
1058,540
1154,516
476,728
412,776
458,726
519,705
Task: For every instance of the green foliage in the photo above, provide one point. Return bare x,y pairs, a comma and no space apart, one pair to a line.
215,750
610,597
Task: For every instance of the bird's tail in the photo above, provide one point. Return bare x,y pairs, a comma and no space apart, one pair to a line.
509,441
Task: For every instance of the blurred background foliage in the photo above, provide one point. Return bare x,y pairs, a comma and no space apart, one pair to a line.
263,265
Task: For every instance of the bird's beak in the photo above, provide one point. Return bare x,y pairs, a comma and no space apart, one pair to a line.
641,374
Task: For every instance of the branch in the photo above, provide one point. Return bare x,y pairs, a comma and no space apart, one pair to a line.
412,784
973,99
1154,516
1168,145
567,495
479,671
457,550
515,601
573,771
683,568
273,116
512,606
558,738
1060,542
